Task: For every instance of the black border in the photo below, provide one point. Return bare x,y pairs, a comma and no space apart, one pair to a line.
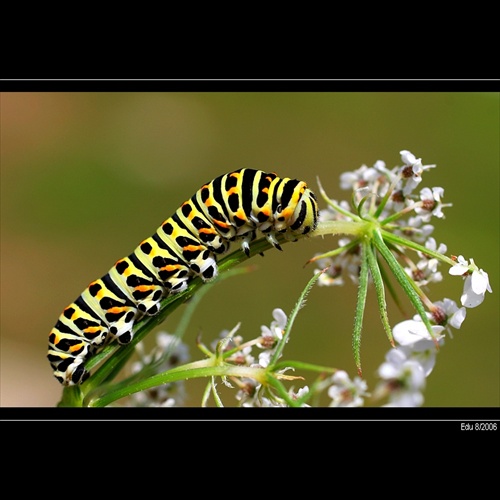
377,414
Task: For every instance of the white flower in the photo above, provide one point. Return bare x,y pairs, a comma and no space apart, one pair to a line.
426,272
359,178
476,283
432,245
344,263
265,358
276,328
455,316
423,352
402,399
412,228
334,268
242,356
328,278
416,344
348,180
403,379
427,266
460,268
347,392
270,335
431,203
475,287
414,176
410,331
300,393
408,372
408,158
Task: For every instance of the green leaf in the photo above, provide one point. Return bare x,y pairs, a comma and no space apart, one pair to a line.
360,307
406,283
379,290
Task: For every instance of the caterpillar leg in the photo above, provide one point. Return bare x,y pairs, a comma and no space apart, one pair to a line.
68,366
122,322
245,242
201,261
270,236
205,266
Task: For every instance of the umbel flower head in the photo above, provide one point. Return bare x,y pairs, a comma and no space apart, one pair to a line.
387,226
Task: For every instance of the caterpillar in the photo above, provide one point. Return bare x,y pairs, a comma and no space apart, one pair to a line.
230,208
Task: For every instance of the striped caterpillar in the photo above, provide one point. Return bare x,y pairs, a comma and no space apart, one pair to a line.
230,208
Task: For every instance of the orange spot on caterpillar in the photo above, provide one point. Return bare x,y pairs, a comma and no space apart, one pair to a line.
220,223
76,347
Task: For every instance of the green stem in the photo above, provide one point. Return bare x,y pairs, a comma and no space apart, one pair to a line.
198,369
300,365
332,253
334,227
386,196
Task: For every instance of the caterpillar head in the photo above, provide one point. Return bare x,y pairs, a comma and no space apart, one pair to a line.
300,213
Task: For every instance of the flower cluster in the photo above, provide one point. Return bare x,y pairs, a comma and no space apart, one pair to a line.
404,372
387,196
405,369
231,350
396,220
252,393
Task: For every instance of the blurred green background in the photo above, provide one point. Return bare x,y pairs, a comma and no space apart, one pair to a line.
86,176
